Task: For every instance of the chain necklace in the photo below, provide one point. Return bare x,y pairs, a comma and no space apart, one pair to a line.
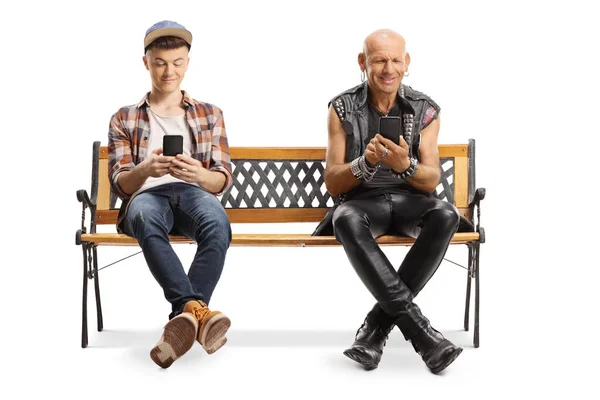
385,114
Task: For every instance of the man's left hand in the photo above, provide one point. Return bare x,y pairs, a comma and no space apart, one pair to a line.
396,156
186,168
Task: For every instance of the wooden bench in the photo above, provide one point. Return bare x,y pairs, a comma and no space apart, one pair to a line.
283,185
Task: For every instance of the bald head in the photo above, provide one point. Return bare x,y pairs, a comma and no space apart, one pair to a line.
383,39
384,61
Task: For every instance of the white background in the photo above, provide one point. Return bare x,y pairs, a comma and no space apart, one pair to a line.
519,77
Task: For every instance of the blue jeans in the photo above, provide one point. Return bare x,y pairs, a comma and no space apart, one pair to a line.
180,209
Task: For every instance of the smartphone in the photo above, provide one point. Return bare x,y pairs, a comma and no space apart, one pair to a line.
172,145
389,128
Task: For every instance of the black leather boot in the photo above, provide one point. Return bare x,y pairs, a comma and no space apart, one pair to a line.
437,351
356,231
371,338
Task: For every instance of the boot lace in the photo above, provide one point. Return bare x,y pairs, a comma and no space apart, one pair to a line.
200,312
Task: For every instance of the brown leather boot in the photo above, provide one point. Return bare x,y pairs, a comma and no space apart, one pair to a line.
212,325
177,338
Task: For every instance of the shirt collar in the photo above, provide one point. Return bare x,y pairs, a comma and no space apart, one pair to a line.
186,99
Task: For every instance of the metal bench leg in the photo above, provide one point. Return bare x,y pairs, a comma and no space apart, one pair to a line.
84,332
97,289
468,299
476,334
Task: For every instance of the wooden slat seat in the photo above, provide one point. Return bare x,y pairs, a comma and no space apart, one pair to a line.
268,240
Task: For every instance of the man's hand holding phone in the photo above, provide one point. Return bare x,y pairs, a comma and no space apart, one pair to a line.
387,152
170,159
160,160
186,168
388,146
391,154
157,165
181,166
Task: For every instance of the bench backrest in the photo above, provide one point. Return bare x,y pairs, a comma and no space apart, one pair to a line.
288,184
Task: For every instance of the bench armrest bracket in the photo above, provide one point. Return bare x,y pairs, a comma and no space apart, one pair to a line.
85,201
476,202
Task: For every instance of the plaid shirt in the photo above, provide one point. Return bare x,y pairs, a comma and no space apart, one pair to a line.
129,132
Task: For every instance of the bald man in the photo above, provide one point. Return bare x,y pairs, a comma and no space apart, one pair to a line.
385,186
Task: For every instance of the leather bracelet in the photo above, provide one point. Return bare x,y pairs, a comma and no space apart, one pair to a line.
409,172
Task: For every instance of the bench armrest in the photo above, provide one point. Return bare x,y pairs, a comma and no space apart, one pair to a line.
479,195
83,197
476,202
85,201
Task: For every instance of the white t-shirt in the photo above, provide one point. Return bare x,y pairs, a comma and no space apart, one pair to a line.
159,127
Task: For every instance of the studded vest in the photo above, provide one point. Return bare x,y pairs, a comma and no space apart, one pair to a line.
351,108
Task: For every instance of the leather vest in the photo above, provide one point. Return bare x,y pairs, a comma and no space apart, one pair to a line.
351,108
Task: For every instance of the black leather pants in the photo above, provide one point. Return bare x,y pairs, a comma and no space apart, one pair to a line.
431,221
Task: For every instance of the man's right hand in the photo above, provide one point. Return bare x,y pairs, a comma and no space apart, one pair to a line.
371,154
156,165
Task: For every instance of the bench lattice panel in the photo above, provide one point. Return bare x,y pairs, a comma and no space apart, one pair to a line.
277,184
298,184
445,189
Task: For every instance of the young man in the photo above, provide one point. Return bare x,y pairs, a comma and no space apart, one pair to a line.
384,186
165,195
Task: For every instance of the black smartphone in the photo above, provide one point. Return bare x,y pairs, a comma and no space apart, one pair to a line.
389,128
172,145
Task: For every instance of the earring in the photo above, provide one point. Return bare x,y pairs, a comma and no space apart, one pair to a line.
406,73
362,76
